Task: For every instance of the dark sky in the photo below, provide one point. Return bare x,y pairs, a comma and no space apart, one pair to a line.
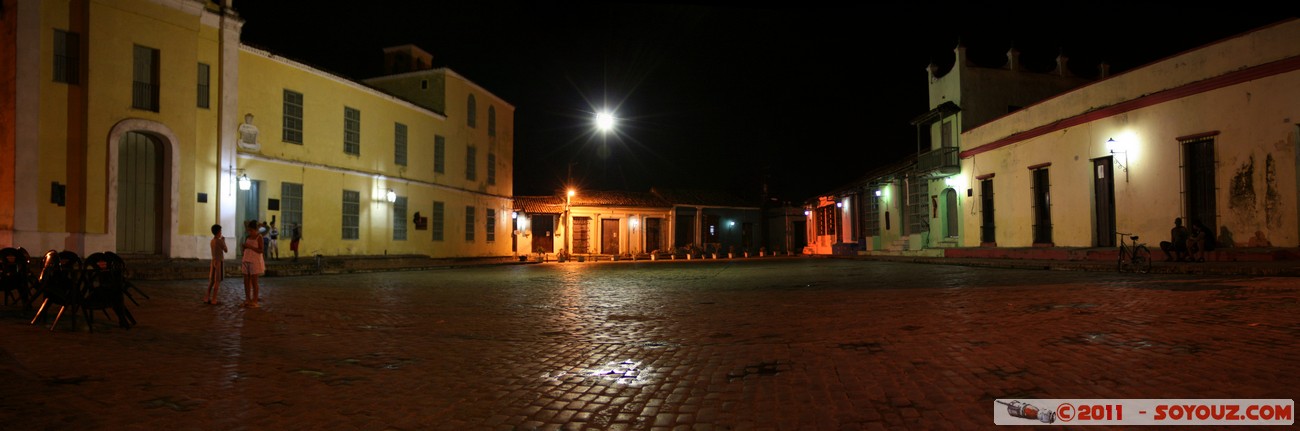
803,99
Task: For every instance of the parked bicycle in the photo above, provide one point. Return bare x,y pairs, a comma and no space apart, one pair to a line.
1134,256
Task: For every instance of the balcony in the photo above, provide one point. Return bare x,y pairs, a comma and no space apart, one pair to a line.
938,163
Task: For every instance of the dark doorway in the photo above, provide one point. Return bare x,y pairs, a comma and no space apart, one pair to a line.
653,230
581,229
1103,185
798,236
1198,173
950,201
987,229
685,230
543,233
1042,207
609,236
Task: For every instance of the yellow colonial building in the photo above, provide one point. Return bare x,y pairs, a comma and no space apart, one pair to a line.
135,125
1208,135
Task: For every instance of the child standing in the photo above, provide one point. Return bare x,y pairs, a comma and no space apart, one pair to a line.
253,263
217,270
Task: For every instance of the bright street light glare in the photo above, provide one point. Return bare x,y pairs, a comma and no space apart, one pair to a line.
604,121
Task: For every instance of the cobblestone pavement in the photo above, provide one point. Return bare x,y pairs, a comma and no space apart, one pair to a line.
781,344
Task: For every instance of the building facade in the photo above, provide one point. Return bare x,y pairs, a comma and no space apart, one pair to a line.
136,125
619,222
915,205
1208,135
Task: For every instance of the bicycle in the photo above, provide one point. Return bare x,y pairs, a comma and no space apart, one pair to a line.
1135,257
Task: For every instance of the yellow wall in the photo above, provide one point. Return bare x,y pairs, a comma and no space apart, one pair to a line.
75,124
323,168
1253,121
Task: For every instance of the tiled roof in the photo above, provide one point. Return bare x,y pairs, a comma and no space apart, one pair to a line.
539,204
590,198
709,198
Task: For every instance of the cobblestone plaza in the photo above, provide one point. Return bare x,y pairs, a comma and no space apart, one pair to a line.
778,343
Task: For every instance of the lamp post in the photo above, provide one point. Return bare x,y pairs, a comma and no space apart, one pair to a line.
568,220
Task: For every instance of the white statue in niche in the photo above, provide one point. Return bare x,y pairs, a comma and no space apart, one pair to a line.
248,135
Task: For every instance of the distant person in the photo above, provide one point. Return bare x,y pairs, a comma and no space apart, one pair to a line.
1176,247
265,231
1199,241
216,270
253,265
274,250
296,236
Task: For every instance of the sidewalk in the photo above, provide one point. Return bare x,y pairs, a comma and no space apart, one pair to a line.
150,268
1275,262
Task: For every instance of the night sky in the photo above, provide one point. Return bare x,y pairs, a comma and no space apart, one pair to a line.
730,98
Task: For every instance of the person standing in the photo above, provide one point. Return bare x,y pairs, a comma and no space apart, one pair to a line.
274,250
296,235
265,232
217,270
253,265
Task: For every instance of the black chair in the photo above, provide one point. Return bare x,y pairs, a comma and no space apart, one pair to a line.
60,284
105,287
15,277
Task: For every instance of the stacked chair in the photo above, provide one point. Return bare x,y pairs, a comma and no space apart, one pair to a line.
16,279
98,283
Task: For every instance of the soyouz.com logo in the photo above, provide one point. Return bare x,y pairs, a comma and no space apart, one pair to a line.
1144,412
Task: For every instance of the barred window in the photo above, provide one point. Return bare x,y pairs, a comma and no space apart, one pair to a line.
351,214
471,167
491,225
872,216
205,87
470,114
469,224
492,169
290,205
492,120
144,84
439,154
399,219
439,210
67,57
399,144
351,131
292,117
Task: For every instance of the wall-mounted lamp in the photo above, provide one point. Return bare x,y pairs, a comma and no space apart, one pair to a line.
391,196
839,205
244,182
877,193
1112,145
633,222
514,215
807,213
731,223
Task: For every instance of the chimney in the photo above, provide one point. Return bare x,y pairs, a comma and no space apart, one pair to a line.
930,71
1062,63
961,55
1105,70
1013,59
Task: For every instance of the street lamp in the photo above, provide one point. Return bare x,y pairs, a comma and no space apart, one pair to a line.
391,196
604,121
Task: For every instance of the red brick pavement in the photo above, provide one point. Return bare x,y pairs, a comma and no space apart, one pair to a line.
788,344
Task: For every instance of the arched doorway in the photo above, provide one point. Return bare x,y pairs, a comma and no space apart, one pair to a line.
951,222
140,222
